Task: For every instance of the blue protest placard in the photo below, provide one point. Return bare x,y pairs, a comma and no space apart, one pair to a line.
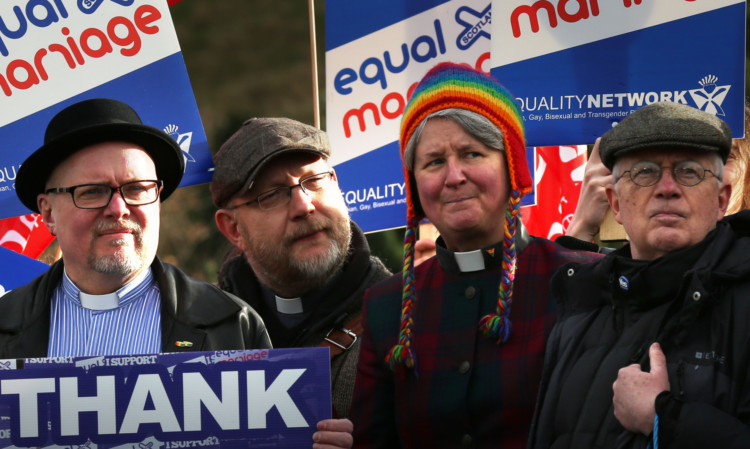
376,52
577,67
63,51
261,398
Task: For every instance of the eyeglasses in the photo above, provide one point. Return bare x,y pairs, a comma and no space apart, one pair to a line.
271,199
687,173
97,196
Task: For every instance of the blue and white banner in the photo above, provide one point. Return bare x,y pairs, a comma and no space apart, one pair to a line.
376,52
57,52
17,270
239,399
577,67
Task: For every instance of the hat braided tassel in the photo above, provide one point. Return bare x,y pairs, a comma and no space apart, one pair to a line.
497,326
402,353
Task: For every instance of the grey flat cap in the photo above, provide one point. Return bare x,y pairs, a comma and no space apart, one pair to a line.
666,125
239,160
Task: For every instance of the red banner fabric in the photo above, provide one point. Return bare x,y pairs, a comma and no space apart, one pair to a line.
559,174
25,235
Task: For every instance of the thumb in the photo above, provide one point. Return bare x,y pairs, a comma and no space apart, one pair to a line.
657,359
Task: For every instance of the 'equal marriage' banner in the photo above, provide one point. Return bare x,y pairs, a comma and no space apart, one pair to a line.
577,67
57,52
376,51
262,398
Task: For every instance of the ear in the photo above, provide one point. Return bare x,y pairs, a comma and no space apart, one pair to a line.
227,224
725,192
44,204
614,201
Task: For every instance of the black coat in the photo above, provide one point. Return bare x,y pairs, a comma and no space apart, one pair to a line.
341,303
695,302
192,310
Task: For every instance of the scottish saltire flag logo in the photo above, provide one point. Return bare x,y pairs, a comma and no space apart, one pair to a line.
476,25
710,96
90,6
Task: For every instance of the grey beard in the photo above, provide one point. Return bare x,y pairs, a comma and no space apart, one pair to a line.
293,277
317,272
122,263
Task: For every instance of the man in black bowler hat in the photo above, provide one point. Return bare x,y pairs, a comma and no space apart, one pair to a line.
98,182
652,344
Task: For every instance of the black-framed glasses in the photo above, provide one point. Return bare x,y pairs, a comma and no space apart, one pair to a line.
97,196
646,173
271,199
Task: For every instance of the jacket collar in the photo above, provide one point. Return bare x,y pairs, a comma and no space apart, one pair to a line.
191,310
334,302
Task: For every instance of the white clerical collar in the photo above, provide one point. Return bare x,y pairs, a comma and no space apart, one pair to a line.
289,306
110,301
470,261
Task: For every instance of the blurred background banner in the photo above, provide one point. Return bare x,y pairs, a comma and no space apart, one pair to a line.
558,177
27,235
579,67
17,270
376,52
67,51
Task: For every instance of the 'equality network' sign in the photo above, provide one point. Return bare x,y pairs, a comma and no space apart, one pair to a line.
578,67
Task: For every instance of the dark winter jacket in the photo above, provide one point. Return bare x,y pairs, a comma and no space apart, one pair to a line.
695,302
192,310
343,302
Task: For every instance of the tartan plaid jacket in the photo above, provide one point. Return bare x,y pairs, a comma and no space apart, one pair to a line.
466,390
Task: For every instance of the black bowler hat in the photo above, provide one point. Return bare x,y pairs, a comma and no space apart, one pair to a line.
90,122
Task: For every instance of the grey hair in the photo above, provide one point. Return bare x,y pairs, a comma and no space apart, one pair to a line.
715,160
478,126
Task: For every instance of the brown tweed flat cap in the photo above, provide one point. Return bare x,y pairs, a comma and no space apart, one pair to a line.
239,160
666,125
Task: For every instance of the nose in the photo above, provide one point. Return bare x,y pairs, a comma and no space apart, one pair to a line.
301,203
117,207
667,187
454,175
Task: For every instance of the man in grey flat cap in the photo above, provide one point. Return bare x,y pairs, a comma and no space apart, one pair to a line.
652,343
300,262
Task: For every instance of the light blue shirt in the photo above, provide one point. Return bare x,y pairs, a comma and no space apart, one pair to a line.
130,323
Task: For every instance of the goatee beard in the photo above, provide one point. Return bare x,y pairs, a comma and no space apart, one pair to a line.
125,260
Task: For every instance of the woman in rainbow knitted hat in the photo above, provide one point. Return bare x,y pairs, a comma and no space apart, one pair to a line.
452,352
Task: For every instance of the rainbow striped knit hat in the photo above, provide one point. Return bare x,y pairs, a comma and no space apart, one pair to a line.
445,86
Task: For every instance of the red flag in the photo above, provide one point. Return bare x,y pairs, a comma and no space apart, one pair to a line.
558,177
26,235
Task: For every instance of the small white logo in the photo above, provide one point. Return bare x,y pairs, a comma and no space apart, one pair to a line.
183,140
710,96
624,283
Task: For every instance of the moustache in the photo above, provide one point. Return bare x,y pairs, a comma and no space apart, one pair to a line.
306,229
108,226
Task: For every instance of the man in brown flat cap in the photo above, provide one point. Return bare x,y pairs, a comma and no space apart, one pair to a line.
663,320
301,263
